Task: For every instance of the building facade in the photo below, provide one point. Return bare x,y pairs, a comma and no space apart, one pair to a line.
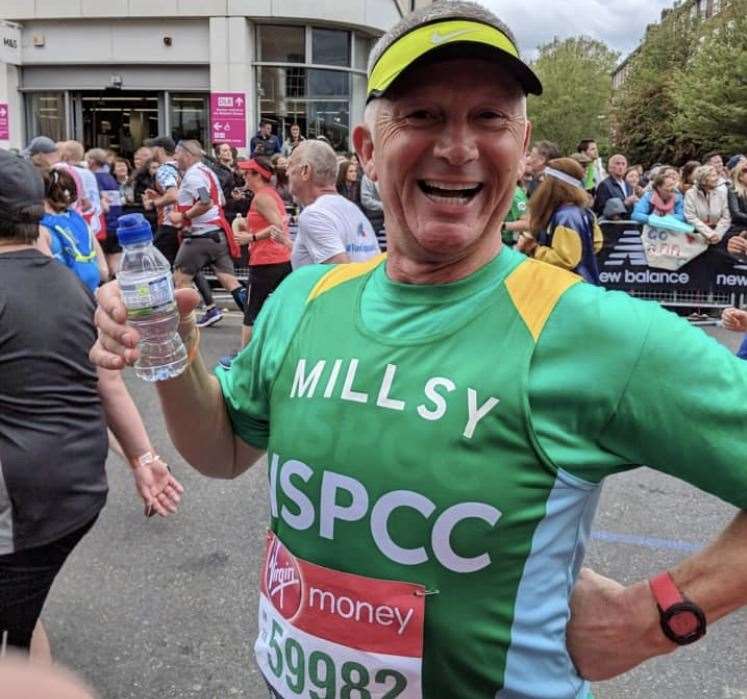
112,74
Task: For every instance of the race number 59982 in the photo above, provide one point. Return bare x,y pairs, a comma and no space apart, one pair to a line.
323,679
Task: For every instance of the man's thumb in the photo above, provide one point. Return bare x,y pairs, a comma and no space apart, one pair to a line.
186,301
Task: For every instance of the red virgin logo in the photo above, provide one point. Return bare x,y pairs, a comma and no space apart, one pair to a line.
283,580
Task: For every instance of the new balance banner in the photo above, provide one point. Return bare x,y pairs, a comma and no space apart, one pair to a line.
623,266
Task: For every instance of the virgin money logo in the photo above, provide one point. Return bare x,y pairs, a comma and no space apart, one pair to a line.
283,580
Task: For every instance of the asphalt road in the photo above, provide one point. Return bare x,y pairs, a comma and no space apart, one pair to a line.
167,607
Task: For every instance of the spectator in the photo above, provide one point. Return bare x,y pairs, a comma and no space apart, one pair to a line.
269,259
43,152
265,142
231,181
707,206
141,157
280,165
347,180
111,207
294,138
686,175
594,169
541,153
123,174
662,199
141,176
371,203
736,238
716,160
615,185
331,229
65,234
633,180
565,231
733,162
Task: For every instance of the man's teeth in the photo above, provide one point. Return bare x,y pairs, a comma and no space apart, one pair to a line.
450,186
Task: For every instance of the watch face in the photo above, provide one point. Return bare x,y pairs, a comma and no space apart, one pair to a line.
684,623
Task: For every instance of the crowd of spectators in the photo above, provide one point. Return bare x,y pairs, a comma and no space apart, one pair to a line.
708,195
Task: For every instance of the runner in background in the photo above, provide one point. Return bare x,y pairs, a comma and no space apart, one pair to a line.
111,207
206,236
88,204
269,260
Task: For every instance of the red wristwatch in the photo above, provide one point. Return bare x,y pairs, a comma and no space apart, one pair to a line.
682,621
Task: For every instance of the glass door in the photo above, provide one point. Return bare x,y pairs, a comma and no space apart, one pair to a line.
116,120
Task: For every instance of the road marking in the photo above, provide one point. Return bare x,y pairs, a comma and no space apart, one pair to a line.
650,542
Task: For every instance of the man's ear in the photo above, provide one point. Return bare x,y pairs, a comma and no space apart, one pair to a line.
363,144
527,137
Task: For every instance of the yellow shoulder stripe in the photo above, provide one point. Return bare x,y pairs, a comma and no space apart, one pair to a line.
339,274
535,288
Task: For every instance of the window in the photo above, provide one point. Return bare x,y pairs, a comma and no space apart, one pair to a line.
330,47
330,119
190,117
45,113
278,44
362,49
328,83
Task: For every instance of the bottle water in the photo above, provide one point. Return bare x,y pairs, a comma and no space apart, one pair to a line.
148,292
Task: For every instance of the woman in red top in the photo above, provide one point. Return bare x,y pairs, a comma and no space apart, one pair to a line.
269,260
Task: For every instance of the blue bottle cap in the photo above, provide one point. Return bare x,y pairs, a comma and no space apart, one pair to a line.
133,228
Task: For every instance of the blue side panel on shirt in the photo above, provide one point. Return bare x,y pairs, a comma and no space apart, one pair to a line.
538,664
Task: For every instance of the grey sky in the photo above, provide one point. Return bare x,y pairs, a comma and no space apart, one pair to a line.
619,23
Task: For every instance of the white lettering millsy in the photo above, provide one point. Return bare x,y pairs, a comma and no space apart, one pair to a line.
306,380
337,487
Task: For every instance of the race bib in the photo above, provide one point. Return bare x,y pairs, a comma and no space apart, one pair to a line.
325,634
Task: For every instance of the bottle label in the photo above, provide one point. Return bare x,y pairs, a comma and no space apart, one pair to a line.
147,297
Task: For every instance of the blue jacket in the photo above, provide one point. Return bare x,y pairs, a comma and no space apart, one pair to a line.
571,240
644,208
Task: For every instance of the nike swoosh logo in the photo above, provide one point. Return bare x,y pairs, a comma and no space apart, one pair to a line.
437,38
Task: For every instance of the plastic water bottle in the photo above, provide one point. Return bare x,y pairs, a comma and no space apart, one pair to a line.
148,292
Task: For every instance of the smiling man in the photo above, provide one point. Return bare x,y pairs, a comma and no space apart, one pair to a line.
437,429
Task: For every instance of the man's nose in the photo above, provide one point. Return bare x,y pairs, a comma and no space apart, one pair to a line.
457,144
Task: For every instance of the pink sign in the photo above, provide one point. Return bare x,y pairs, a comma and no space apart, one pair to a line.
4,122
228,118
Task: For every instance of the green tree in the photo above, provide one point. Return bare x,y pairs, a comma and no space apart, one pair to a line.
644,110
576,74
711,93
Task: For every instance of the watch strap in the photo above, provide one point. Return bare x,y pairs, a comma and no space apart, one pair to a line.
665,591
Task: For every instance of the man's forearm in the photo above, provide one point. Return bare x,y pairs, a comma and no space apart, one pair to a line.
198,423
716,578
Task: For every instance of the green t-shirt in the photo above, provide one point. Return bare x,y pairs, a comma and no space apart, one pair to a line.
455,437
517,210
